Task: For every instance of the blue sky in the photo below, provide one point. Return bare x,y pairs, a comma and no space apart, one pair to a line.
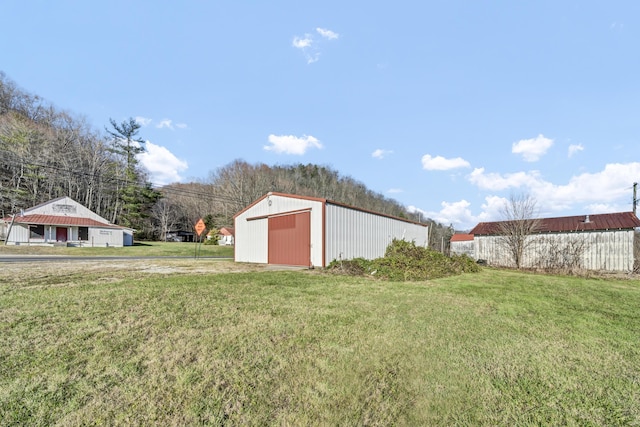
448,107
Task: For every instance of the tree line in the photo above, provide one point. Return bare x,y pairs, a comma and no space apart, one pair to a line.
47,152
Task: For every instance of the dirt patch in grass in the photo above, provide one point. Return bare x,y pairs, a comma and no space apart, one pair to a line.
66,273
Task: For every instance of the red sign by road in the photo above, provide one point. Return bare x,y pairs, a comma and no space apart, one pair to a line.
200,227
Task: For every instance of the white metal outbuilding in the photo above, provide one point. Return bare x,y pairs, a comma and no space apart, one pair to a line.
287,229
601,242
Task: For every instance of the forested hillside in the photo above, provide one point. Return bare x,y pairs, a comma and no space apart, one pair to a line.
47,152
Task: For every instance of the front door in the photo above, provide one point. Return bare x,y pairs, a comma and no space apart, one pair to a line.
61,234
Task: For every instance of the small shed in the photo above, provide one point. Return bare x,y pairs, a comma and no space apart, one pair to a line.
305,231
63,221
462,244
602,242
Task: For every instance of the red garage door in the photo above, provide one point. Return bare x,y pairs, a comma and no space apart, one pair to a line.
290,239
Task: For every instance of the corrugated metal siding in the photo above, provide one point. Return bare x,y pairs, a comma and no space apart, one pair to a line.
610,251
603,250
353,234
18,234
462,247
290,239
105,237
346,232
251,240
251,236
97,236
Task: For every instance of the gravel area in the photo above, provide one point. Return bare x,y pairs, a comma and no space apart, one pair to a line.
11,271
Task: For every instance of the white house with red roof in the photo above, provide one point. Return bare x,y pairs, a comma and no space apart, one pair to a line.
62,221
226,236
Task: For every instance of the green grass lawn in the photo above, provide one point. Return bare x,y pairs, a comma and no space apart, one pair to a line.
301,348
138,249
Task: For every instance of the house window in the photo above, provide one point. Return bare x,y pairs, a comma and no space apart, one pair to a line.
36,231
83,233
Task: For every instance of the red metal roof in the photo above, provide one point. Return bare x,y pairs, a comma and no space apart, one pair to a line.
597,222
225,231
461,237
60,220
324,202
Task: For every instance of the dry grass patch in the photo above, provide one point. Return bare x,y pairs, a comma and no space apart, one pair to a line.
68,273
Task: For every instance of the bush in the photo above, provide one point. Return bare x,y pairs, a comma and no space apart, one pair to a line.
212,241
405,261
212,237
352,267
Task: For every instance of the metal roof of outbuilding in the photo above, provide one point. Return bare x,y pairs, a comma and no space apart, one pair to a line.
461,237
326,201
597,222
39,219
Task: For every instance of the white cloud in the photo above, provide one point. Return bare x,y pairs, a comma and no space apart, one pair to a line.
603,191
492,208
163,166
608,190
597,208
457,214
289,144
441,164
308,44
395,190
574,148
415,210
165,123
607,187
498,182
532,149
305,44
327,34
302,42
143,121
380,153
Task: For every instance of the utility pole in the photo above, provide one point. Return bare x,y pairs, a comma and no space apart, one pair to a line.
635,197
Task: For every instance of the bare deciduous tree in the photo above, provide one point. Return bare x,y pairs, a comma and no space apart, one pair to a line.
166,216
47,153
518,225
